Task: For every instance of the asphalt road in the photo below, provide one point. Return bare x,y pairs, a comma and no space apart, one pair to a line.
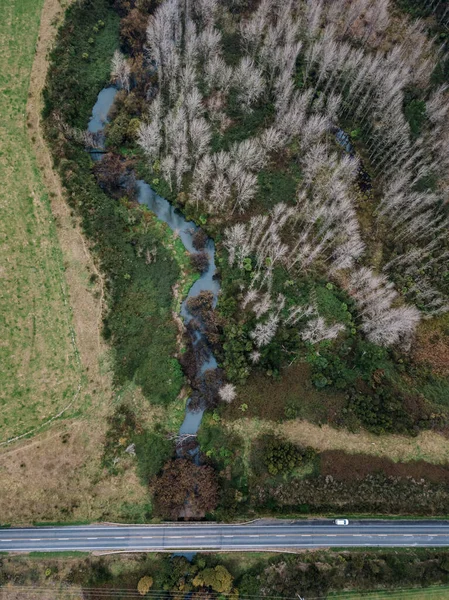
253,536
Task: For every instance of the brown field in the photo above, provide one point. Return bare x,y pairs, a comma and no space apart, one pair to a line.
58,476
346,467
268,398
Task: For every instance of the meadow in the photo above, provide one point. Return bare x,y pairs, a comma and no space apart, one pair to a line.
40,370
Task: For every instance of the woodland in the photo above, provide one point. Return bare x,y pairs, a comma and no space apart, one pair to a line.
333,245
310,141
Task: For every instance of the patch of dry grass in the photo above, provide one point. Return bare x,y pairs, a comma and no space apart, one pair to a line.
58,476
427,446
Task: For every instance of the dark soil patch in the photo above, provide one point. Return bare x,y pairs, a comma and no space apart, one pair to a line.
291,396
346,467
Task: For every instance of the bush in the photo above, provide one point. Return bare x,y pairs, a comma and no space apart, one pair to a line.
152,452
219,579
144,585
184,486
381,412
280,456
200,261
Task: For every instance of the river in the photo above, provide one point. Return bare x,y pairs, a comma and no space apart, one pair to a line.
166,212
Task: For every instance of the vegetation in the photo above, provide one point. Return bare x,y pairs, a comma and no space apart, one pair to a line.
331,246
185,490
40,371
246,124
138,323
320,574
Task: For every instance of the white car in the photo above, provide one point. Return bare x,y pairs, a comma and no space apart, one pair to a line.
341,522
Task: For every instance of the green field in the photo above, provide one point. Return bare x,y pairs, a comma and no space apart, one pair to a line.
432,593
39,367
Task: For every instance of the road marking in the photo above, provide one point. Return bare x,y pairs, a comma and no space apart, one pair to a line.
305,535
199,536
116,538
280,535
34,540
92,538
146,537
331,535
253,536
63,539
5,540
228,536
175,537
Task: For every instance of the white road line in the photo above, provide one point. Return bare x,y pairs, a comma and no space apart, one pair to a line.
199,536
228,536
63,539
116,538
280,535
175,537
33,540
305,535
5,540
92,538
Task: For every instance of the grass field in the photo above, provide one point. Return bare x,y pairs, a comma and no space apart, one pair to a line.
40,370
432,593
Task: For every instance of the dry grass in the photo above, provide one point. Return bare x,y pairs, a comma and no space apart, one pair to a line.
59,476
40,368
432,345
61,592
427,446
43,578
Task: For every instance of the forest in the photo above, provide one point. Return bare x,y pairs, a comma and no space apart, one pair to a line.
310,141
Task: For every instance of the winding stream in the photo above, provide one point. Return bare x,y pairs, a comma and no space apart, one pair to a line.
185,230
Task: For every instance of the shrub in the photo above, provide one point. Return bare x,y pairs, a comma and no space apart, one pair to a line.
218,578
184,486
152,452
200,261
144,585
199,239
281,456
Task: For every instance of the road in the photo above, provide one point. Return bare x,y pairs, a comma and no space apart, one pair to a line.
254,536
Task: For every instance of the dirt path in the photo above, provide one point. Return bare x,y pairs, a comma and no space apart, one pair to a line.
86,295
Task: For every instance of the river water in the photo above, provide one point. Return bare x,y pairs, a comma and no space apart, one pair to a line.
166,212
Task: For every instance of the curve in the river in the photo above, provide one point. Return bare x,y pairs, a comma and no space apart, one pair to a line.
185,229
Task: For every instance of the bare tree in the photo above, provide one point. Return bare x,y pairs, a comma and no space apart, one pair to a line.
227,393
120,71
